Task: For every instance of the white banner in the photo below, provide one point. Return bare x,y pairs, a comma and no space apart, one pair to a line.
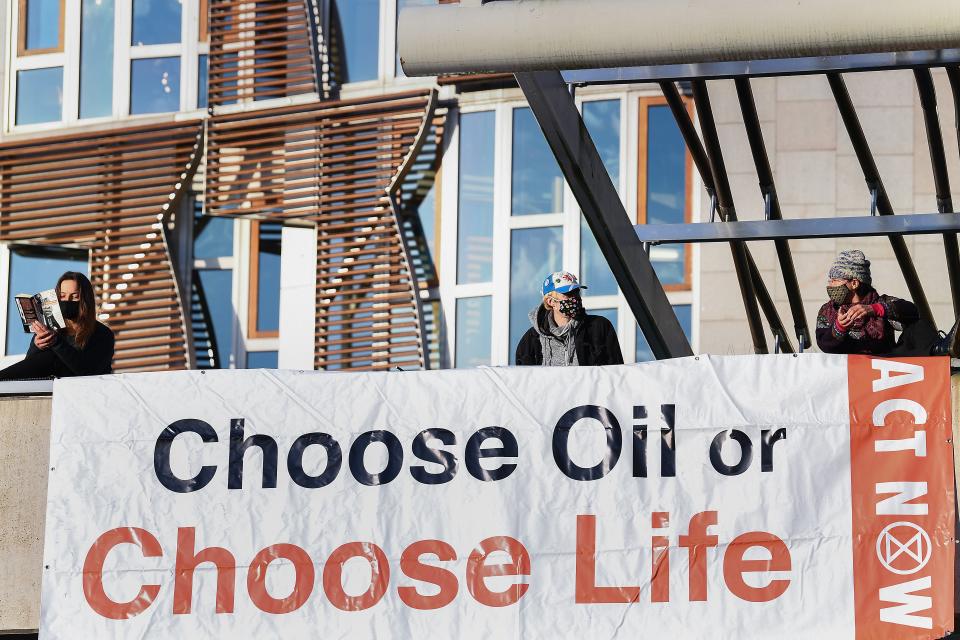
699,497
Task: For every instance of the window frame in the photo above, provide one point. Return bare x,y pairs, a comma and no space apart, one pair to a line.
632,161
22,49
645,102
191,46
253,286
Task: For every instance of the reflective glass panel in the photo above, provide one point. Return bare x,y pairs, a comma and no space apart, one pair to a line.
203,75
262,359
427,212
217,287
683,311
666,190
213,238
537,186
268,277
475,217
154,85
609,314
33,270
359,28
43,24
156,21
401,4
603,122
40,95
96,59
534,253
473,332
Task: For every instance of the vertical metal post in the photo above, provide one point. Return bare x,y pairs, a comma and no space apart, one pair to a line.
565,132
941,179
768,188
872,176
728,213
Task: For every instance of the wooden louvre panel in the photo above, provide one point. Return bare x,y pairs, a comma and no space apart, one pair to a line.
109,191
331,163
258,50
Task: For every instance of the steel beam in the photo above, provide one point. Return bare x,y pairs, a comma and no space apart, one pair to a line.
577,156
941,179
806,228
765,68
702,161
768,190
728,213
875,185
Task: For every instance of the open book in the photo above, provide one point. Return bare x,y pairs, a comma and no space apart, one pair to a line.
43,307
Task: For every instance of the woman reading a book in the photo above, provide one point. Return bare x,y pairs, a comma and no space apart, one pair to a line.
83,348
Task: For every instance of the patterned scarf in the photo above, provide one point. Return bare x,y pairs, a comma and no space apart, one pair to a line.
874,326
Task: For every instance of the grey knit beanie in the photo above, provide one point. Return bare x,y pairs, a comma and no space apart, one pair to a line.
851,265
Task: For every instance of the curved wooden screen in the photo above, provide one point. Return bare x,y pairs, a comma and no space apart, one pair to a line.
110,191
331,164
259,50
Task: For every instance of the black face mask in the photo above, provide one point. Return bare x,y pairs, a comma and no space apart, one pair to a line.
571,307
70,308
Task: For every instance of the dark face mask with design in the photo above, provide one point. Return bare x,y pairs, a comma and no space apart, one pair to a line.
839,294
70,309
570,307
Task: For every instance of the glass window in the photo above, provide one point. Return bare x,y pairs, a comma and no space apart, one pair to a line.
683,311
609,314
40,95
213,238
666,196
473,331
156,21
42,25
602,119
359,28
154,85
203,77
96,59
33,270
217,290
475,216
268,277
533,254
262,360
402,4
537,185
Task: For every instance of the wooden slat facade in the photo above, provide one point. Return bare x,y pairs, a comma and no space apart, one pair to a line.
109,192
258,50
331,163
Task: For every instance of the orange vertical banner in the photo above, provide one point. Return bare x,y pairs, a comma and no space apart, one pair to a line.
901,468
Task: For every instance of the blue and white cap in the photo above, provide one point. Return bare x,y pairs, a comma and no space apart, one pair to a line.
561,282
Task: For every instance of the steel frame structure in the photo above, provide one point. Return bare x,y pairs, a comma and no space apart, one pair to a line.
554,108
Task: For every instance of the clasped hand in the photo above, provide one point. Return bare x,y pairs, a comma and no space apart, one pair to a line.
44,337
854,313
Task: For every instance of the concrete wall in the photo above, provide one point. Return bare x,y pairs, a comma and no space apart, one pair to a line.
24,457
817,175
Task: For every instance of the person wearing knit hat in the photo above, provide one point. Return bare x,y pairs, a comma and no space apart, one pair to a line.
857,319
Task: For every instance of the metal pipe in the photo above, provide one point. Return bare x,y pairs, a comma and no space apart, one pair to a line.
802,228
578,159
941,179
874,183
772,211
538,35
728,213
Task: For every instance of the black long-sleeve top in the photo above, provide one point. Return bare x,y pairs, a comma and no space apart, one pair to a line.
96,358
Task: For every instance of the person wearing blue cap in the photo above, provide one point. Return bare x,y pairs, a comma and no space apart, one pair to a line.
563,334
